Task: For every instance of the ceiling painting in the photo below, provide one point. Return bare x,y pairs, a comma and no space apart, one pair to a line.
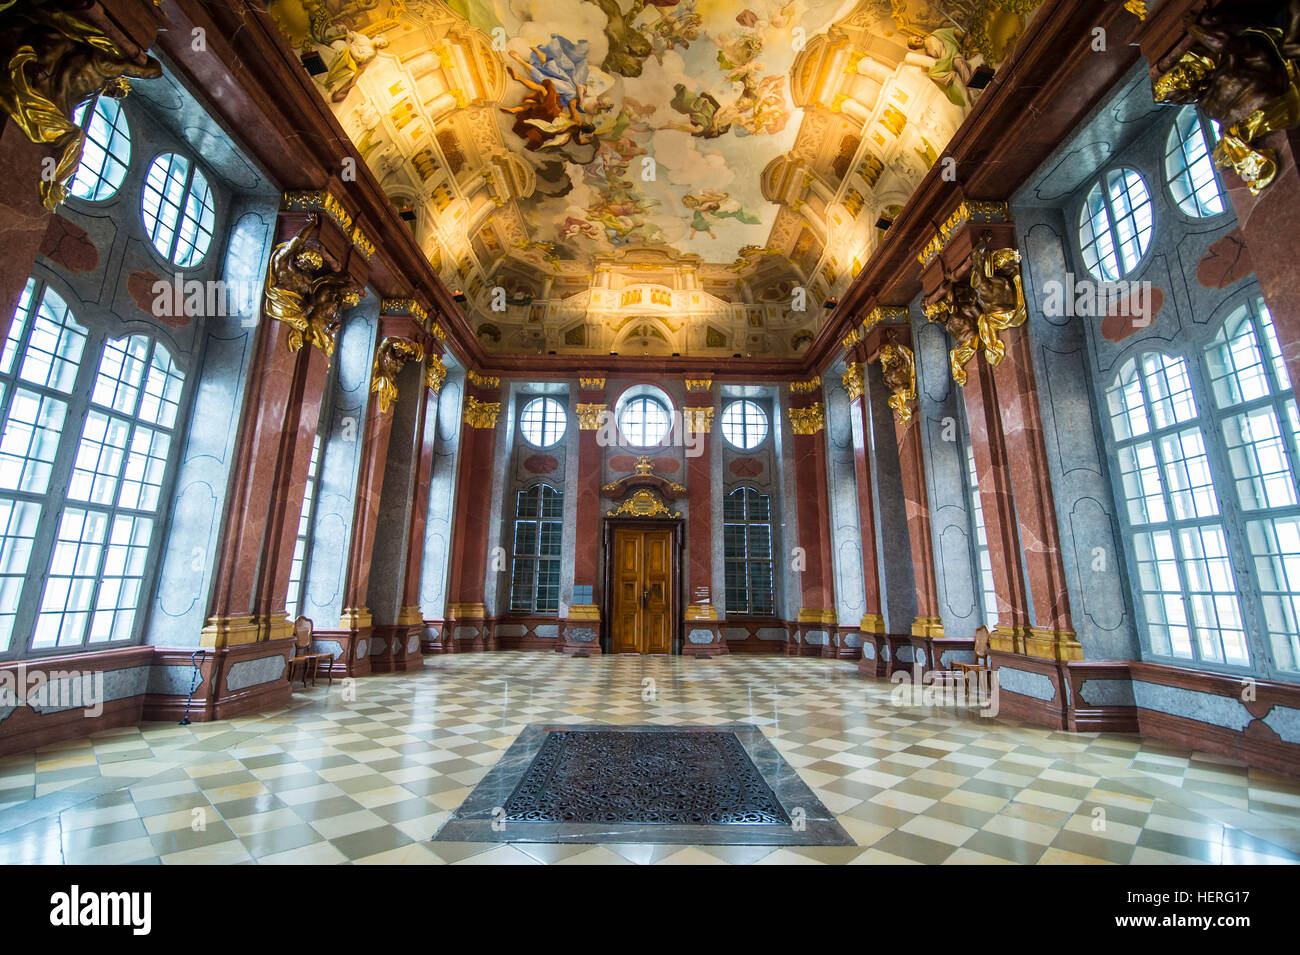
650,176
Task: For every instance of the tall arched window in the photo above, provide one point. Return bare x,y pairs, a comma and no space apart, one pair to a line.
1185,585
747,552
1259,423
535,572
107,429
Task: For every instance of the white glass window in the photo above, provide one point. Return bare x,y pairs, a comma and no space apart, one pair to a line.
1189,170
983,562
543,422
643,422
1261,434
744,424
97,568
1184,575
178,211
535,568
747,553
106,153
1115,225
297,569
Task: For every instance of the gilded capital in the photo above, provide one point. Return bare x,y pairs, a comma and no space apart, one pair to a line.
853,382
591,384
483,381
591,416
698,420
481,414
808,420
697,385
435,374
806,387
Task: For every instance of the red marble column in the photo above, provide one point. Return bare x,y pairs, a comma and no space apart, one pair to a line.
281,406
1052,633
469,534
993,471
700,616
427,428
812,507
365,515
584,618
873,621
300,433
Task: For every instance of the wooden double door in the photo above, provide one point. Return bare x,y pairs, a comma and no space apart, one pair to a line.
642,577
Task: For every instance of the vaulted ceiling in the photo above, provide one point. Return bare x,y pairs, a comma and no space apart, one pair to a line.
650,176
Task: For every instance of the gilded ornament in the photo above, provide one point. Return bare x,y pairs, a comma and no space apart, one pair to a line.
695,385
808,420
390,356
435,374
806,387
481,414
698,420
590,417
1243,74
591,384
483,381
54,63
853,381
643,503
898,369
306,293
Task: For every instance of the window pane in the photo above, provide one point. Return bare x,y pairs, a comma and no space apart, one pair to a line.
54,349
1189,169
543,422
1275,548
1259,461
1191,489
106,152
744,424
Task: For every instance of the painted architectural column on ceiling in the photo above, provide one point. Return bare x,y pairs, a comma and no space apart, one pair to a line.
582,626
702,630
814,628
973,288
280,415
466,614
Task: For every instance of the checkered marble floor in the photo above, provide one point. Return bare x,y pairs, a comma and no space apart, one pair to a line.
369,773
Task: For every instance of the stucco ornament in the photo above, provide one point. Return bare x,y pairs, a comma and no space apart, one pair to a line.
304,292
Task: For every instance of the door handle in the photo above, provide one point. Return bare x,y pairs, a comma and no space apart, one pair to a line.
645,598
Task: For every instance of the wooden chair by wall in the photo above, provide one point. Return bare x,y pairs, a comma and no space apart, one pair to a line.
303,658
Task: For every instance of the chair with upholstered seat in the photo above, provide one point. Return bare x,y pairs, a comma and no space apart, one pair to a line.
303,657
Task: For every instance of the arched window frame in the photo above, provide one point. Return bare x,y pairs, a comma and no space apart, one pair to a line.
536,550
748,555
80,462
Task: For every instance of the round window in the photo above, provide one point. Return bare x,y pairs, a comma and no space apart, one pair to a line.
543,422
744,424
643,422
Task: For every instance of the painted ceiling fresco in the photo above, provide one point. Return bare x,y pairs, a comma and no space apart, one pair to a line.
688,176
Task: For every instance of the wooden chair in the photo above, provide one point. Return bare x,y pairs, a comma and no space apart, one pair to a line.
309,662
981,665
